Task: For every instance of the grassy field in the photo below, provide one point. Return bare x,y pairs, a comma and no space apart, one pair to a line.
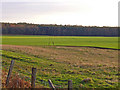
105,42
61,63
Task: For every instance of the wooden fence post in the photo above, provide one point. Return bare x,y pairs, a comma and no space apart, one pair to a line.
33,77
51,84
69,84
9,73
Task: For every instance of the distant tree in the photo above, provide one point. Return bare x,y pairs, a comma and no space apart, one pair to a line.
57,30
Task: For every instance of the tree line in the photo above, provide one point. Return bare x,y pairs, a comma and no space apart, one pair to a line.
57,30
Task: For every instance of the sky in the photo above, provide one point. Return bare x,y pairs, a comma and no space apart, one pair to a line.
73,12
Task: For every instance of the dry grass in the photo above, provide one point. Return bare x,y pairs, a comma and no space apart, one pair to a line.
98,64
15,81
81,56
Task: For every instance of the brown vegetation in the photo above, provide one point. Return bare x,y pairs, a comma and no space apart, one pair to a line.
101,64
78,56
15,81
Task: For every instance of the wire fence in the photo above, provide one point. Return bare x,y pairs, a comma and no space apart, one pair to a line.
26,74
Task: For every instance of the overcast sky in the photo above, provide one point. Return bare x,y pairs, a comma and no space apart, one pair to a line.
74,12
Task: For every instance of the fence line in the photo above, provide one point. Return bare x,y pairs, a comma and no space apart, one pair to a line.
51,84
9,73
33,77
69,84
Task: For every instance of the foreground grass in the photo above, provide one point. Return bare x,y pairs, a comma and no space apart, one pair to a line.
61,63
104,42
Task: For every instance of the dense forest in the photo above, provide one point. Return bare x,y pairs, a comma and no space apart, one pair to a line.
57,30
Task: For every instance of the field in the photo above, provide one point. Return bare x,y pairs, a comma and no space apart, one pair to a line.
105,42
58,59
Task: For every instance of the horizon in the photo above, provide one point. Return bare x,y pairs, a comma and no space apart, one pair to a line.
56,24
62,12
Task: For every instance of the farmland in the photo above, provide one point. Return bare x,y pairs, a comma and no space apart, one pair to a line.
104,42
58,59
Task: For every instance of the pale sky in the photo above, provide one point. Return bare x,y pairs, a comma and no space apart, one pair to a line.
73,12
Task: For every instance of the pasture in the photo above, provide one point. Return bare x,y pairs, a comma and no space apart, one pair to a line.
58,59
103,42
